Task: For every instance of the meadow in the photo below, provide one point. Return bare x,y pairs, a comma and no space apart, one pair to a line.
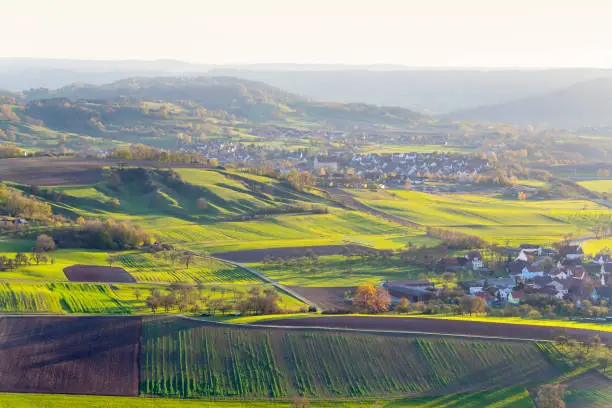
599,186
336,271
243,211
182,358
492,218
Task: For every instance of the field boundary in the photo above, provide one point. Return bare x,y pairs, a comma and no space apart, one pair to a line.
365,331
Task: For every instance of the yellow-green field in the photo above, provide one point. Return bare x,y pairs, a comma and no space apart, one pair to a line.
592,247
516,397
335,271
599,186
494,219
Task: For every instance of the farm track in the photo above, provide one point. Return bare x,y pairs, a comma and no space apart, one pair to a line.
273,283
442,327
350,201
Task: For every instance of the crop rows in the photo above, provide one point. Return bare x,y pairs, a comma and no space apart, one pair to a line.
146,268
189,360
59,297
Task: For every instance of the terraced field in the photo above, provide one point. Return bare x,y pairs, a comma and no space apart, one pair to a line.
182,358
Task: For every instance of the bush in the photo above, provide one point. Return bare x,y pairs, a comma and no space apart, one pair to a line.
44,243
103,235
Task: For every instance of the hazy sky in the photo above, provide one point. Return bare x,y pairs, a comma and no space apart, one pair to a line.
529,33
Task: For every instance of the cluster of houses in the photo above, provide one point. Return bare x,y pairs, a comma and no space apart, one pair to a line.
532,272
397,169
529,271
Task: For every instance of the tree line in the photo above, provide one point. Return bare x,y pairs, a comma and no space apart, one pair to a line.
187,297
16,204
108,235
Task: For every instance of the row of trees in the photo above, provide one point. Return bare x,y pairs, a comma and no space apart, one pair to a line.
456,240
148,153
8,151
187,297
16,204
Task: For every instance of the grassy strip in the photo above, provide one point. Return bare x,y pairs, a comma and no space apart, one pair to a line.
516,397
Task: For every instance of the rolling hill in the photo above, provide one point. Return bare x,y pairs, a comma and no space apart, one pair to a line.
250,100
584,104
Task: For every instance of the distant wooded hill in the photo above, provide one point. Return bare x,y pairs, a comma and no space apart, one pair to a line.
251,100
431,91
585,104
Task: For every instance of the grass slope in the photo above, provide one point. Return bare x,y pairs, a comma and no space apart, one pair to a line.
183,358
333,271
495,219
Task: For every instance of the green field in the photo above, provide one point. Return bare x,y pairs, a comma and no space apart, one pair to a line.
334,271
59,298
170,213
599,186
494,219
516,397
182,358
55,271
145,267
590,389
39,297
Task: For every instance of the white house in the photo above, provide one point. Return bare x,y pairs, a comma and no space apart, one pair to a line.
528,273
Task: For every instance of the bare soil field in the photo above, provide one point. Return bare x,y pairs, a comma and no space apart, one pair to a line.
331,298
48,171
51,172
96,273
258,255
441,326
70,355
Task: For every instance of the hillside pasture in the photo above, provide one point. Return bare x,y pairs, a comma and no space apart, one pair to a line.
494,219
183,358
79,355
599,186
334,270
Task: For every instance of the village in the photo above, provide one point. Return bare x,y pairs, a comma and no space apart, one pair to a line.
536,280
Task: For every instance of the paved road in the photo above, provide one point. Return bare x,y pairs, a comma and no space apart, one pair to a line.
270,281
